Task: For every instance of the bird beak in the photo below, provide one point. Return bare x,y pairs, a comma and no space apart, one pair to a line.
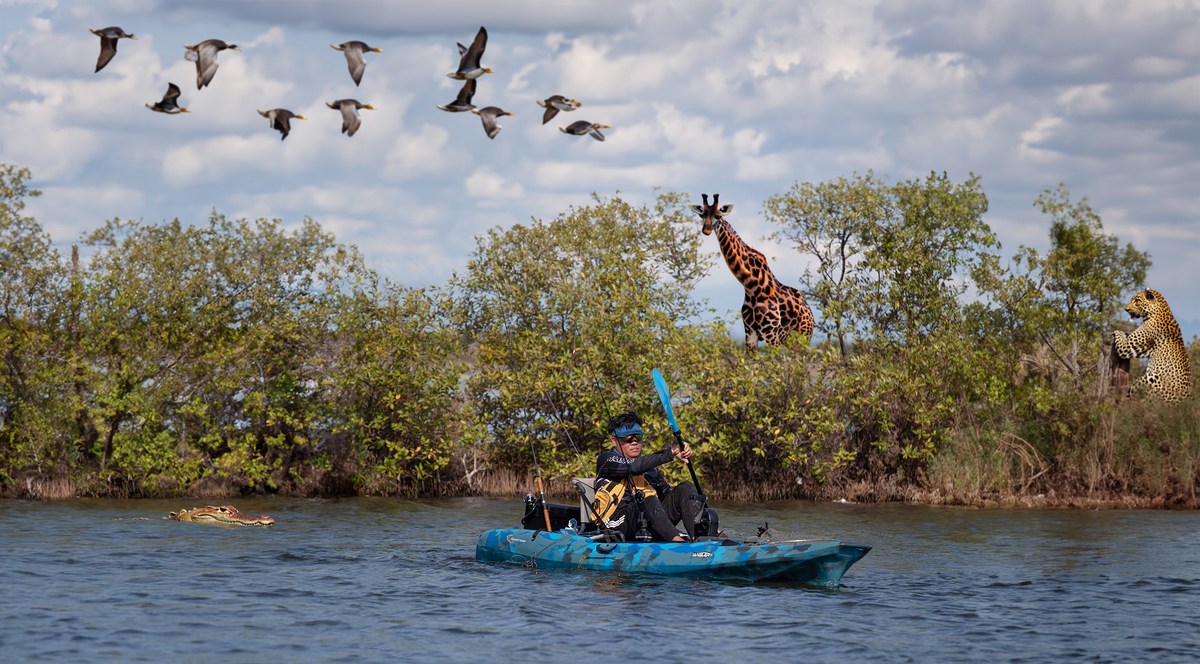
369,107
377,50
299,117
184,110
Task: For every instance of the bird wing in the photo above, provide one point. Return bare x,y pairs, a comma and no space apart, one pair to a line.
355,61
206,64
470,59
595,133
350,119
282,120
465,93
172,92
488,117
108,48
549,113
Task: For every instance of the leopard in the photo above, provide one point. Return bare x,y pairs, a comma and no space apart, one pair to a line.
1169,373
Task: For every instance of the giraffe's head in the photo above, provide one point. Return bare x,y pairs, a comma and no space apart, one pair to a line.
711,214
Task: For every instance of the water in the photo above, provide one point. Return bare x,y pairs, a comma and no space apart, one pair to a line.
385,580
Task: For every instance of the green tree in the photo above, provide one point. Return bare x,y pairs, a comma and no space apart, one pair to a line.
204,341
1086,270
831,221
567,318
1055,308
890,259
33,396
392,387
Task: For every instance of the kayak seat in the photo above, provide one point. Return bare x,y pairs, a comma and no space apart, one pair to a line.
587,497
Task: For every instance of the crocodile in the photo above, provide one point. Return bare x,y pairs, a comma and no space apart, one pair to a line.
225,515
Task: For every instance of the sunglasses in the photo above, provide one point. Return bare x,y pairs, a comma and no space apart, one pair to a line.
635,438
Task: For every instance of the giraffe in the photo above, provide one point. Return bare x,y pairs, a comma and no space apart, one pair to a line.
771,310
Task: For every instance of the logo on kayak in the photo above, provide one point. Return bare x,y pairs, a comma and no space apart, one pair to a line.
702,554
513,538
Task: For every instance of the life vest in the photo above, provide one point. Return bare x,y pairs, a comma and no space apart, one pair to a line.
609,494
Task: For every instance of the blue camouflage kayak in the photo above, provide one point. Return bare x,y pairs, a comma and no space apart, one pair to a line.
812,562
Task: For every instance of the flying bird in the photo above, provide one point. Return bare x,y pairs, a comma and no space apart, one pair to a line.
468,65
463,101
280,120
353,51
349,109
488,115
556,103
204,55
583,127
170,102
108,43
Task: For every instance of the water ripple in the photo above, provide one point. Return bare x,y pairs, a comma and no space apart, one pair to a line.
380,579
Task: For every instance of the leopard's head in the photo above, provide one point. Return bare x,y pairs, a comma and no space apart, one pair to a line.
1145,304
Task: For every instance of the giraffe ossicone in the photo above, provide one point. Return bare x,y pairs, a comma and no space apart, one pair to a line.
771,310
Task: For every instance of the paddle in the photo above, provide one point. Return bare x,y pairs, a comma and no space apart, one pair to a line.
664,395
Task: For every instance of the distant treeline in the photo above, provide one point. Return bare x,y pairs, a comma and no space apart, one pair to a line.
237,356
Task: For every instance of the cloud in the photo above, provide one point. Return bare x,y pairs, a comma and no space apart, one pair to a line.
386,18
418,155
490,186
745,98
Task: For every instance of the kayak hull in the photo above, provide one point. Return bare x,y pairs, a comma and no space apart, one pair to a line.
811,562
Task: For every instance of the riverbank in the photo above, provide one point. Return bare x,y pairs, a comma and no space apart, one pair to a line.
509,485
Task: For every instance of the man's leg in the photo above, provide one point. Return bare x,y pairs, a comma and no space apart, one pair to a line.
684,504
656,517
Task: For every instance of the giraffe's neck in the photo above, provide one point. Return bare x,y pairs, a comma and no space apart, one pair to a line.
747,264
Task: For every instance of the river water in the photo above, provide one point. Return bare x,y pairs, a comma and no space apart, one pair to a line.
385,580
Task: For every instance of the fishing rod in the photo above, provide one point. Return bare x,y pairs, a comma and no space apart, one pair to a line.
537,468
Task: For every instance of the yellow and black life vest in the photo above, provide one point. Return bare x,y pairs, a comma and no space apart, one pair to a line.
609,494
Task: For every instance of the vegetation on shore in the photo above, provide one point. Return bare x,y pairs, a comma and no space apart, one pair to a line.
240,357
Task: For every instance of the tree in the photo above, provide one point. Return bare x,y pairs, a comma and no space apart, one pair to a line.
203,341
34,408
566,318
1086,270
391,387
1055,308
890,258
830,221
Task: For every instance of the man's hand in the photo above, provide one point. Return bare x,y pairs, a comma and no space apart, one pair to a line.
684,453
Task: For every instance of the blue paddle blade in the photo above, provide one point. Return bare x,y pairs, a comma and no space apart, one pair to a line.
664,395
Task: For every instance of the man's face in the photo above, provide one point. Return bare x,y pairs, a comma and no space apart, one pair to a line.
630,446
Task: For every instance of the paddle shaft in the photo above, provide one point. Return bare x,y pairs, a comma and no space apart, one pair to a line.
691,468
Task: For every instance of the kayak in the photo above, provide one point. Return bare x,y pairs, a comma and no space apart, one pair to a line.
565,544
811,562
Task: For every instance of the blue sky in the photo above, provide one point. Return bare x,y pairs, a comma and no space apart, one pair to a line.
739,97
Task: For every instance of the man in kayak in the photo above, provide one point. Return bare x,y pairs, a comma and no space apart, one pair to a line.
633,497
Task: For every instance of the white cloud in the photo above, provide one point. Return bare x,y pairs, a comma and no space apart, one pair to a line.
418,155
490,186
741,97
212,160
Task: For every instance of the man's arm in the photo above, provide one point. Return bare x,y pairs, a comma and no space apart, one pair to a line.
614,466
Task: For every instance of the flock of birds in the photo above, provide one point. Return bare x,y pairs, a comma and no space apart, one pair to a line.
204,54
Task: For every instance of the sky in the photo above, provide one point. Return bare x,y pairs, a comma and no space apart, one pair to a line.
743,98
